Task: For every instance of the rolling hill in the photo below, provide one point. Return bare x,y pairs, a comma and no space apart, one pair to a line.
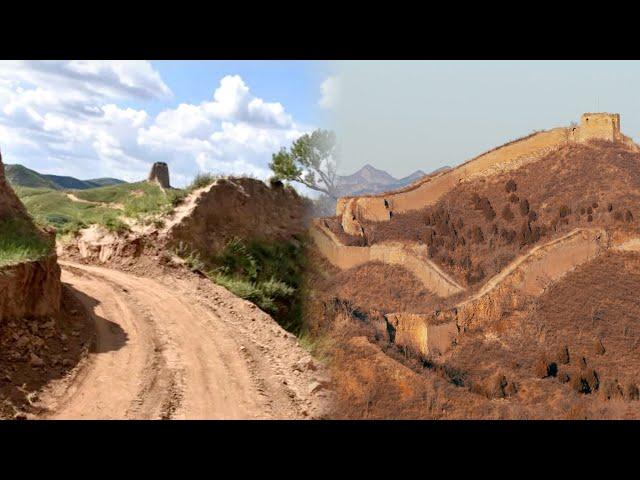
21,176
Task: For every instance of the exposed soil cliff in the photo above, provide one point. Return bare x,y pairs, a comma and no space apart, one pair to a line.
30,277
30,289
239,207
10,205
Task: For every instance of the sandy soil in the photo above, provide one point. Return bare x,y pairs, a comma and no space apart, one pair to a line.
177,348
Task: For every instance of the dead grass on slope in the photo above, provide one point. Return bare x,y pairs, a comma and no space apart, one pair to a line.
382,287
475,230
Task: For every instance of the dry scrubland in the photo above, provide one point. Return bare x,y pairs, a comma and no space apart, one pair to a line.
475,230
568,353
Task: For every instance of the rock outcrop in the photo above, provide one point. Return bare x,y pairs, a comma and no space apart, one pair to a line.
160,174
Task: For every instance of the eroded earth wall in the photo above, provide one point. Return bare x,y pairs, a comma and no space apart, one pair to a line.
241,207
413,258
524,278
528,276
30,289
427,191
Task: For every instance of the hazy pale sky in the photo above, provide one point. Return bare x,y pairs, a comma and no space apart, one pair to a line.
406,115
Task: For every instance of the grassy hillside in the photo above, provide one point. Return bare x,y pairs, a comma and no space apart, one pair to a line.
137,199
21,176
25,177
107,205
103,182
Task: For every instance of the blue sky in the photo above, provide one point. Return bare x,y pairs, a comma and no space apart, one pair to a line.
115,118
295,84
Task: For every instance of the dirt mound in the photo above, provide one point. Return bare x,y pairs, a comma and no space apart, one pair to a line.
245,208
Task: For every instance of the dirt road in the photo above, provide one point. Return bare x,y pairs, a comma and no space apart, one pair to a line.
181,348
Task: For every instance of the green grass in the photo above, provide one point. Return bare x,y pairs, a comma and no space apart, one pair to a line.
140,201
20,242
52,207
268,274
201,180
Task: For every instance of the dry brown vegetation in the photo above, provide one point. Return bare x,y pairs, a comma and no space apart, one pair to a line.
383,287
571,353
480,226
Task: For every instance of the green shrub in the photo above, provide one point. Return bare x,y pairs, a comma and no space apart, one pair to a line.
269,274
201,180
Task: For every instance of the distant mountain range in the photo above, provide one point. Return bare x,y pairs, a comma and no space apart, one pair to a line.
21,176
369,180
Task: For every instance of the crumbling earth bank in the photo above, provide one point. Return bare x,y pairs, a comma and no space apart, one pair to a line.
31,288
240,207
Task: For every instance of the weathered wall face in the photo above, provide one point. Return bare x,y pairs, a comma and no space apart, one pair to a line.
350,222
412,258
598,126
529,275
427,192
160,173
241,207
30,289
421,334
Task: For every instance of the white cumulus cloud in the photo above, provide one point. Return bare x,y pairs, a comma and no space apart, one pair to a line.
68,118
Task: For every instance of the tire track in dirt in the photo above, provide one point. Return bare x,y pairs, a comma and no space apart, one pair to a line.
156,356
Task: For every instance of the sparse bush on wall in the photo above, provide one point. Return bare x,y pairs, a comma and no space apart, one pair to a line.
507,214
563,355
476,234
201,180
632,392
